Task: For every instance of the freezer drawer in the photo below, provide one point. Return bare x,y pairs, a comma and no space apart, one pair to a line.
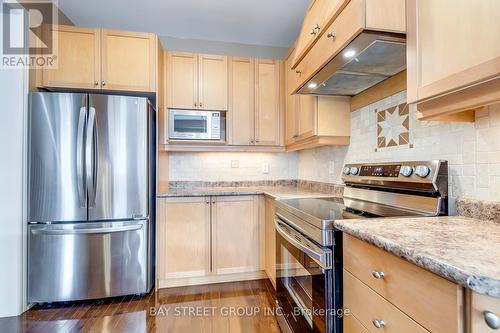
79,261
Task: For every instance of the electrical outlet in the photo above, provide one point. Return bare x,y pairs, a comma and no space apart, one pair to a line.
265,168
235,164
331,167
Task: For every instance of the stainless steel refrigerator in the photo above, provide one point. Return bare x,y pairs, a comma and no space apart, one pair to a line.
91,196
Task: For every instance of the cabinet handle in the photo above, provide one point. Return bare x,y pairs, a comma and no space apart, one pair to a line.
251,141
257,141
298,72
103,83
201,104
313,32
378,323
331,34
195,105
492,320
207,202
317,27
378,275
96,83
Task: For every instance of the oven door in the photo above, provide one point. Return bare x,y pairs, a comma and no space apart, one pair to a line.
190,125
304,282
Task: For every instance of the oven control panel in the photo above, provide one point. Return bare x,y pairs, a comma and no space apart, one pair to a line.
389,170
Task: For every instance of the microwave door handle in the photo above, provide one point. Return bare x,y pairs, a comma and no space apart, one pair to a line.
323,258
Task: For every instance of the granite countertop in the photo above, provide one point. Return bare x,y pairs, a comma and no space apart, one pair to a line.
460,249
272,191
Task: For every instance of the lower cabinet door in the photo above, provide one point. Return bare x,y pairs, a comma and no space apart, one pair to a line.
236,241
183,237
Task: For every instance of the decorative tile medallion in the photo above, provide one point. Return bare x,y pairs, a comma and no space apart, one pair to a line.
393,127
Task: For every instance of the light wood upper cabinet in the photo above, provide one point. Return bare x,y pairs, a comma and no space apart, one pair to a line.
78,58
453,55
196,81
267,102
103,59
241,101
128,60
306,116
212,82
182,80
348,20
183,233
236,235
313,121
318,16
291,102
319,121
254,102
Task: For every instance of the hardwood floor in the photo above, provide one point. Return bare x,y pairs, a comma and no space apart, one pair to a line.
218,308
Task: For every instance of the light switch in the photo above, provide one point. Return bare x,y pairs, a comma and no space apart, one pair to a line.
331,167
235,164
265,168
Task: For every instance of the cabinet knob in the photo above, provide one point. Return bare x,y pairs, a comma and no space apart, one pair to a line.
298,72
201,104
96,83
195,105
317,27
103,83
251,141
378,275
313,32
492,320
378,323
331,34
257,141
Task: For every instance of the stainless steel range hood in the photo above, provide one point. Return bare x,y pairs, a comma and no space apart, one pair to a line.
369,59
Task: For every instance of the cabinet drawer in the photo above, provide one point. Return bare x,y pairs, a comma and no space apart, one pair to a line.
345,28
352,325
368,307
432,301
481,306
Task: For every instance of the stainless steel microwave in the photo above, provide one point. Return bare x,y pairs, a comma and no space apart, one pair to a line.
196,125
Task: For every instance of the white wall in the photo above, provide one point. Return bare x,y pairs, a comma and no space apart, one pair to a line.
472,149
216,166
13,93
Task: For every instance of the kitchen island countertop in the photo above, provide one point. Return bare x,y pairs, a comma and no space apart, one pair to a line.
460,249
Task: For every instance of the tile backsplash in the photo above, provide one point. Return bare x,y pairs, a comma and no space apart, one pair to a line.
221,166
472,149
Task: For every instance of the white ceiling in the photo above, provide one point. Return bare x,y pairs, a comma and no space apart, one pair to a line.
256,22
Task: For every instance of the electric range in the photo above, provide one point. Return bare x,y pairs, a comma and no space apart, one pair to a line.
309,249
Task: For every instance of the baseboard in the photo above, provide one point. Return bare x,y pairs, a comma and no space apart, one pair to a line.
193,281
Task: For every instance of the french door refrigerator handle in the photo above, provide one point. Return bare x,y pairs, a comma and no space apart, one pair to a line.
90,156
80,167
106,230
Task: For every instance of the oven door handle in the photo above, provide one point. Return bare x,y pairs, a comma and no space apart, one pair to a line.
321,256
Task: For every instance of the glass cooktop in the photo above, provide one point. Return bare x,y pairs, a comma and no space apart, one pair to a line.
325,209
